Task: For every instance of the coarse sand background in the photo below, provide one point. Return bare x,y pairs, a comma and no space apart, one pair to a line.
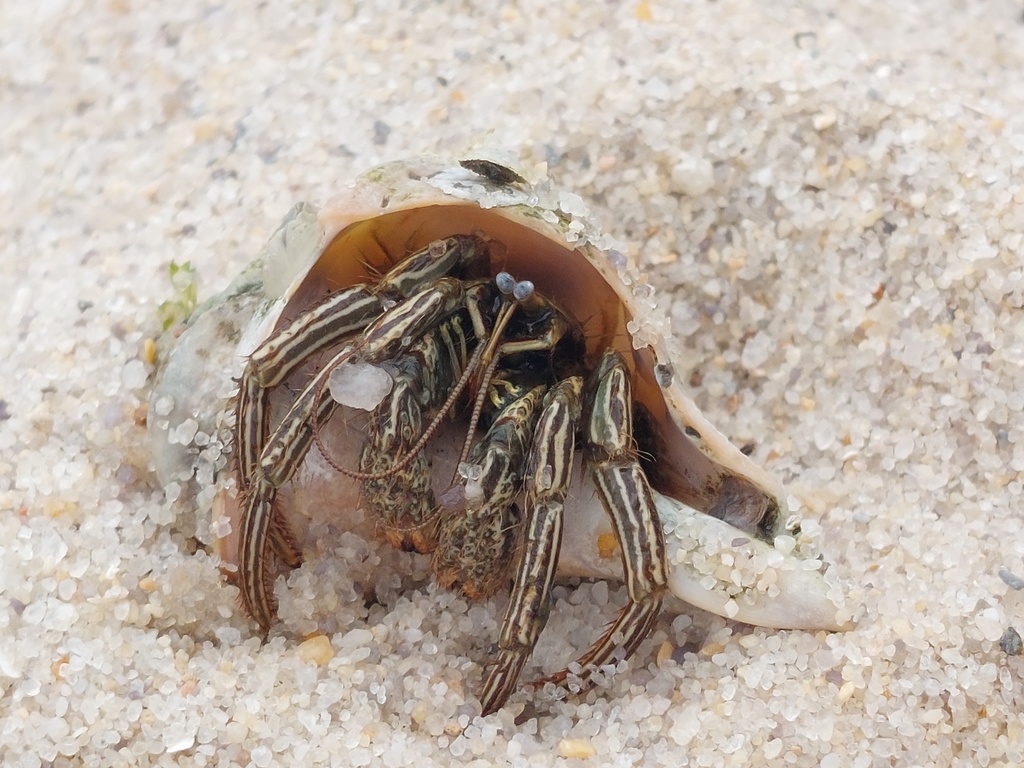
830,201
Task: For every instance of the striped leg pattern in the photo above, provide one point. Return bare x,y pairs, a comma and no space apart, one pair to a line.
265,464
548,472
442,333
398,496
626,495
325,325
477,542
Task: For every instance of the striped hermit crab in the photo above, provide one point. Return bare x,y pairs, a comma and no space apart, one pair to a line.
519,416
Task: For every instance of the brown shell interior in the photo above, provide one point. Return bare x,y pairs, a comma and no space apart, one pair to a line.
364,250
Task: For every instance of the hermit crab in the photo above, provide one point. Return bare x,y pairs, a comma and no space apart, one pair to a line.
450,357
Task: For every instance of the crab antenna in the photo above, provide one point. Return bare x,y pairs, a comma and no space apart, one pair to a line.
478,406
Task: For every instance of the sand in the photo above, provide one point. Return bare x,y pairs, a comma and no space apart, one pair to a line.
829,205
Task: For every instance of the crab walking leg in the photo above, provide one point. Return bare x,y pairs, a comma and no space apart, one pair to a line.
393,331
400,500
273,361
324,325
476,543
352,310
287,447
250,433
261,527
626,496
548,472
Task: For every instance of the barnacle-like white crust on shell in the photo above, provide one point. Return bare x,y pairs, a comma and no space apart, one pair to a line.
545,236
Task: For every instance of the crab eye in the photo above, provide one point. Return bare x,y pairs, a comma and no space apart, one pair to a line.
505,282
522,290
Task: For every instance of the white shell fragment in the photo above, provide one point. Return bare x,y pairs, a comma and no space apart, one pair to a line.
742,577
708,490
359,385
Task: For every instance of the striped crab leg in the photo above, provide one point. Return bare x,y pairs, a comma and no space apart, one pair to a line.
324,325
548,472
393,468
626,496
286,448
477,538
